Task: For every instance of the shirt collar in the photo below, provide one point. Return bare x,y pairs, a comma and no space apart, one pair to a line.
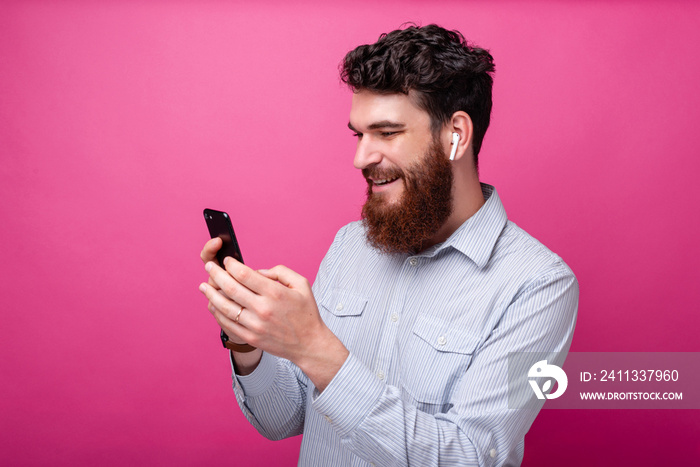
477,236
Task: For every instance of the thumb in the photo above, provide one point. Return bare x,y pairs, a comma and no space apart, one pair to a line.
284,276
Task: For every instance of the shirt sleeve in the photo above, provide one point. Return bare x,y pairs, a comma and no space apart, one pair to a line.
273,397
378,424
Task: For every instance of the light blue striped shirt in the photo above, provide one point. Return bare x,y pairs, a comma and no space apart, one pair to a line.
429,335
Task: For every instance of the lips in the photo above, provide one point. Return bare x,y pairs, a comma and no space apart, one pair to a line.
383,181
379,178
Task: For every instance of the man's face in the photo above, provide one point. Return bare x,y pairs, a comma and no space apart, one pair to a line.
409,177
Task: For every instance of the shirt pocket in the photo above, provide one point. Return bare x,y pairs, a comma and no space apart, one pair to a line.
434,359
342,312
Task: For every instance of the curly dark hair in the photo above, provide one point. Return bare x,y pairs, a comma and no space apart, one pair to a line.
444,71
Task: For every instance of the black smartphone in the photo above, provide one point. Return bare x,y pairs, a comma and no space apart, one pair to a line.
219,225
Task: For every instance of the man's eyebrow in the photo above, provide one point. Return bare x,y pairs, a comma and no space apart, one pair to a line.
381,124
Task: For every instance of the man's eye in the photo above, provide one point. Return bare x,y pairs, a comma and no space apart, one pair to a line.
357,135
387,134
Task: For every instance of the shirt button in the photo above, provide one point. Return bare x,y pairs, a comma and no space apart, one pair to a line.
394,317
413,261
492,453
442,340
339,307
380,375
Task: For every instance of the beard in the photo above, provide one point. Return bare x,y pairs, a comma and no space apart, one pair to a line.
424,206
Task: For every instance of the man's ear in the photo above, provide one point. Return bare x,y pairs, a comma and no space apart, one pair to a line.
460,123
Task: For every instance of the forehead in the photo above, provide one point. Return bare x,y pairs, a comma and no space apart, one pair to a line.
368,108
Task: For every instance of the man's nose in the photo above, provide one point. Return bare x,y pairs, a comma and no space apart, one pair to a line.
366,154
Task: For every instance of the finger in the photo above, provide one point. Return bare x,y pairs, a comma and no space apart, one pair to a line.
268,274
250,278
210,248
230,286
219,304
234,330
218,314
286,277
213,284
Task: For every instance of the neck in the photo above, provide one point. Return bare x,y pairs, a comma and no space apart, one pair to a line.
467,199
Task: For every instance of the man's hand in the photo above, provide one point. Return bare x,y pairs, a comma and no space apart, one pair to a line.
275,311
247,362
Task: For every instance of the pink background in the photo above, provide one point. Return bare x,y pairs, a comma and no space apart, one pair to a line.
121,121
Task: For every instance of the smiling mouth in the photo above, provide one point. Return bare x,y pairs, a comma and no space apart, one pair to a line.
384,181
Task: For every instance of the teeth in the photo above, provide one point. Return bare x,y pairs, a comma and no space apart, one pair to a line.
383,181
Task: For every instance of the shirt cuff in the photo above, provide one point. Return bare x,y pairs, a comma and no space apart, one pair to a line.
349,397
260,379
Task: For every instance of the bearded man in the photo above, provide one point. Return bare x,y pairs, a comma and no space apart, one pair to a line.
398,355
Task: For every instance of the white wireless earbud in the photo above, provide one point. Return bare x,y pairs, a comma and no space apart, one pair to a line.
455,142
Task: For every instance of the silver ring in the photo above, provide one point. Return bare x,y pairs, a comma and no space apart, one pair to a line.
235,320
